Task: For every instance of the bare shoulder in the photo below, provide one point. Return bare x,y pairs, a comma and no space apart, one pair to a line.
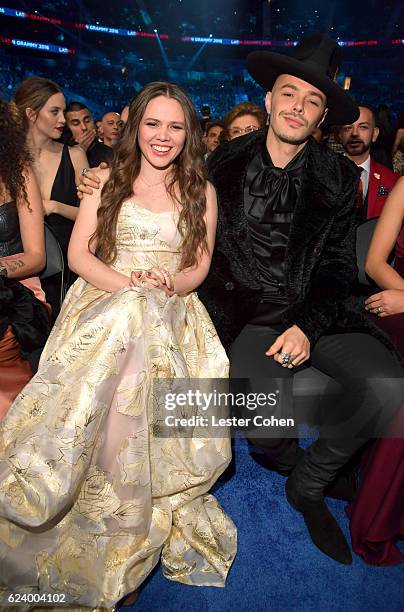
78,157
29,174
75,152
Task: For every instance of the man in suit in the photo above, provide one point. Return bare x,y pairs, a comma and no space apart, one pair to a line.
376,180
281,273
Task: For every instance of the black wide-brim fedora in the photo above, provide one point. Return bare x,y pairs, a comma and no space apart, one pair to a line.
316,60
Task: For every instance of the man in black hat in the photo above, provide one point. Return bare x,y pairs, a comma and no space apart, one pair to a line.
281,273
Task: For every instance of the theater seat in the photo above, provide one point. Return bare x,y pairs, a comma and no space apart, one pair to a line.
54,260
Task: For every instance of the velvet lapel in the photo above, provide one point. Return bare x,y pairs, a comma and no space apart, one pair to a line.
233,232
317,201
318,198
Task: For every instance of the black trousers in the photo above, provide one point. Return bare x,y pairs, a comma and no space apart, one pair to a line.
369,377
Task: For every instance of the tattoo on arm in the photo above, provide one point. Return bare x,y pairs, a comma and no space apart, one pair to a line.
13,265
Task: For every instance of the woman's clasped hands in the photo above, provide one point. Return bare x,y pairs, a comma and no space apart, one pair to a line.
154,278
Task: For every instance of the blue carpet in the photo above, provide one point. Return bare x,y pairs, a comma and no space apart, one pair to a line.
277,568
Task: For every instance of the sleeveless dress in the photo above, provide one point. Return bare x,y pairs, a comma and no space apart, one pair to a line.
89,498
63,190
24,319
377,514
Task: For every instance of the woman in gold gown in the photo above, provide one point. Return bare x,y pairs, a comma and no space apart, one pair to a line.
90,498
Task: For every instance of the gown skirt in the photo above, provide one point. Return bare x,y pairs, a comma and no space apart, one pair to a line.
90,497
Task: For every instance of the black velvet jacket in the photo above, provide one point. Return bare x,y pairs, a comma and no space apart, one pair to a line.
321,260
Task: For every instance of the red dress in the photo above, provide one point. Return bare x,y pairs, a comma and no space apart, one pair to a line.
377,514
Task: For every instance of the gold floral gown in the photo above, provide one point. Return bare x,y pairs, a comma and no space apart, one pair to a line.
89,498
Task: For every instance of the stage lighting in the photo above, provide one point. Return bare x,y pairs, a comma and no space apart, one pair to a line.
347,82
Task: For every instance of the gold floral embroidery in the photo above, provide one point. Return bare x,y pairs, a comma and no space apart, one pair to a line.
89,496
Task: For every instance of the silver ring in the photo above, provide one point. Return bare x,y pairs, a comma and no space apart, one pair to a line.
379,309
286,357
84,172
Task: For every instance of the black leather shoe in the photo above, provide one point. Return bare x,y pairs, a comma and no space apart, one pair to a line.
283,464
270,463
323,529
344,486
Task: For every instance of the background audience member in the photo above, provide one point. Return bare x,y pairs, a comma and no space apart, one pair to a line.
81,130
398,147
110,128
381,150
322,133
242,119
124,115
206,117
211,137
376,180
41,104
80,125
24,318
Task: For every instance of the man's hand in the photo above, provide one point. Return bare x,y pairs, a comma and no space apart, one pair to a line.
386,303
89,181
293,343
86,139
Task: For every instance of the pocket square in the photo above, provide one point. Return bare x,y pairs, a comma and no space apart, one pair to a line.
382,191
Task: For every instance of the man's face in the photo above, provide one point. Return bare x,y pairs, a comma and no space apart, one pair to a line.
357,137
79,122
296,108
212,137
110,128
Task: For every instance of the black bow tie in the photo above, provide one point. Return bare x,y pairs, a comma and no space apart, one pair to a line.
275,192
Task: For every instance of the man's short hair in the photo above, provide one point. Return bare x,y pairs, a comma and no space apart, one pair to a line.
211,124
75,106
369,108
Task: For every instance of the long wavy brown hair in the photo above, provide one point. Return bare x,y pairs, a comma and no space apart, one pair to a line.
187,178
14,154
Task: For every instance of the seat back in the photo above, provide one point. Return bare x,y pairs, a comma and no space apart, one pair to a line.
54,260
364,233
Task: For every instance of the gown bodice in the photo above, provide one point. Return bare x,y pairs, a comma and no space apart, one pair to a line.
146,239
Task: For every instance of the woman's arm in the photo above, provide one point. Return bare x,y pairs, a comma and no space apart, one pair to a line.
384,238
32,233
189,279
79,161
82,261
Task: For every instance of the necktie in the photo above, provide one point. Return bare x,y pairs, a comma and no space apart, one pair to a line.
360,189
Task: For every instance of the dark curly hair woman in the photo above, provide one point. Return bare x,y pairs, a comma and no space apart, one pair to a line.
24,318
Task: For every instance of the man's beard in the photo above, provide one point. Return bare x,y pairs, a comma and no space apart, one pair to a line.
358,150
287,139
